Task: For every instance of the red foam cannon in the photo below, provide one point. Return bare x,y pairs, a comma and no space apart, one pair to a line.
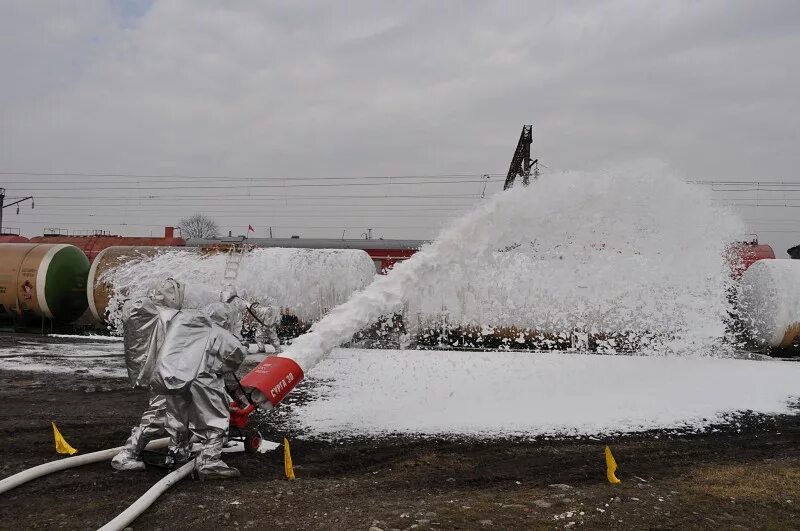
239,414
272,380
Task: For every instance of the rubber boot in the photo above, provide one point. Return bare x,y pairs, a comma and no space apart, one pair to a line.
130,456
209,464
275,341
178,455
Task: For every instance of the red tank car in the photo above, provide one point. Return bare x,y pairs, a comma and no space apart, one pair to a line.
92,245
13,238
745,254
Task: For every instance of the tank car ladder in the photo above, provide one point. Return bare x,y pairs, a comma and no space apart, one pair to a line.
232,263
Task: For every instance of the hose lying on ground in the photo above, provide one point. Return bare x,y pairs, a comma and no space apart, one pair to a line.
126,517
70,462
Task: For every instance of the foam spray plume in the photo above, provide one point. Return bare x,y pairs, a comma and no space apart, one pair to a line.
577,251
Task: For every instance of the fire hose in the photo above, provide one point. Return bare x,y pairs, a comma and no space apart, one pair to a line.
126,517
268,384
70,462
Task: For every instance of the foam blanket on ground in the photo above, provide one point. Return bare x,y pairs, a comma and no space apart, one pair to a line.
486,394
363,392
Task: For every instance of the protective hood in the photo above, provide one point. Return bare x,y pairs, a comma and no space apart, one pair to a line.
194,346
265,314
228,294
144,325
223,315
169,293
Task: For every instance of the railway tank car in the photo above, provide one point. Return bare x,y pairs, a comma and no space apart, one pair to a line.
94,244
304,283
58,281
13,238
98,291
770,303
384,253
46,280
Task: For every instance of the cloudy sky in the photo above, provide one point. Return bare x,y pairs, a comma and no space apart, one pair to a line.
165,108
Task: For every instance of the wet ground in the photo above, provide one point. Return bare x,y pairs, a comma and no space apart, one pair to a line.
738,476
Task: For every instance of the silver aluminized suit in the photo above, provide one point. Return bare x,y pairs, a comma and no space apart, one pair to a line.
199,349
144,324
267,318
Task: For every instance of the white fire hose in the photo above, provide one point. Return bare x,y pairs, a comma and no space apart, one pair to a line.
126,517
70,462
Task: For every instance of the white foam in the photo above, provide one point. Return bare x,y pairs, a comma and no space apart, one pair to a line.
369,392
377,392
770,299
306,282
636,250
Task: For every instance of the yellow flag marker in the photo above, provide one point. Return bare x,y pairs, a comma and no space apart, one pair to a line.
611,467
287,460
62,446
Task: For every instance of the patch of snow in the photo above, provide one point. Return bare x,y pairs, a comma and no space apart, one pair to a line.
94,337
89,357
268,446
238,446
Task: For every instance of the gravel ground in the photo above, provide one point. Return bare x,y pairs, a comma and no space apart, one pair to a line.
730,477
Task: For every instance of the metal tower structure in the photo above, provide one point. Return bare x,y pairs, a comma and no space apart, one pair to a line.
3,205
521,163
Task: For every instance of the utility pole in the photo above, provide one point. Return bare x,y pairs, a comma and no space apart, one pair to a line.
483,192
3,205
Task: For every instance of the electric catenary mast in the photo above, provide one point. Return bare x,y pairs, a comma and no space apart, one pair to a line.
3,205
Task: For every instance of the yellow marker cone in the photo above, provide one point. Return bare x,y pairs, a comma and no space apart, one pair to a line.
611,467
287,460
62,446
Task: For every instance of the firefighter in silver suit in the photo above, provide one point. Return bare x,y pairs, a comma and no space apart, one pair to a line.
199,349
145,321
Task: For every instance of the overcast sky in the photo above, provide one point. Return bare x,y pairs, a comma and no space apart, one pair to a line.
290,90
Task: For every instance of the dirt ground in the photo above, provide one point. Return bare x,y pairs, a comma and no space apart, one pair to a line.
743,476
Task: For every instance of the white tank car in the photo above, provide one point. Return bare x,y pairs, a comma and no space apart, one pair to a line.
305,283
770,302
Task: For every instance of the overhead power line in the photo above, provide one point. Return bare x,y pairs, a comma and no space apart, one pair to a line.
267,215
778,221
331,226
715,182
115,210
255,185
188,177
179,177
262,197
